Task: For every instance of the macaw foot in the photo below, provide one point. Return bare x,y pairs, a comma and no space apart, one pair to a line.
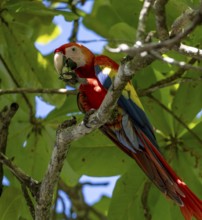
87,116
114,115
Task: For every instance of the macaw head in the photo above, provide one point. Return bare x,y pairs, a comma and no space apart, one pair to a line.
72,57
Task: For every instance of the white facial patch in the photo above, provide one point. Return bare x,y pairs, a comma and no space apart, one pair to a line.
76,55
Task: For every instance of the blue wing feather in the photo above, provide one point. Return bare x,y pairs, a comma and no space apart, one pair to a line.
132,109
138,116
104,79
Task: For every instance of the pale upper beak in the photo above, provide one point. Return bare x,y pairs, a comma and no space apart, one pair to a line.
59,61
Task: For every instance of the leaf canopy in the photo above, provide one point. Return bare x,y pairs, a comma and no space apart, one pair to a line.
175,116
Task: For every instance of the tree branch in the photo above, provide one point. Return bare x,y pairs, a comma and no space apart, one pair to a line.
61,91
18,85
28,200
5,118
190,51
153,88
74,33
160,15
181,64
24,179
141,28
51,177
166,44
183,21
166,82
73,37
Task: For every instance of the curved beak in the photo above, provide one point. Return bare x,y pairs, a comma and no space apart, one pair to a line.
59,62
65,68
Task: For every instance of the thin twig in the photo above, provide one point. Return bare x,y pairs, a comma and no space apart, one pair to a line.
175,78
181,64
146,92
61,91
28,201
18,85
95,184
73,37
141,28
74,33
63,207
144,200
97,213
32,184
79,205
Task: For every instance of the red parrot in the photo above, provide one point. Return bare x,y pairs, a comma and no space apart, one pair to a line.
129,128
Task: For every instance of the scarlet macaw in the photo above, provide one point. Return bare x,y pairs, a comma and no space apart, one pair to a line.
130,130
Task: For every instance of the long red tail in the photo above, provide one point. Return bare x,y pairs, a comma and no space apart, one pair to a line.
192,206
161,174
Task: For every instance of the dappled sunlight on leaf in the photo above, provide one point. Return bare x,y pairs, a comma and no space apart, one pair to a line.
41,60
47,38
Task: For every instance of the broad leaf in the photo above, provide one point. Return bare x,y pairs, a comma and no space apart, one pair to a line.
94,154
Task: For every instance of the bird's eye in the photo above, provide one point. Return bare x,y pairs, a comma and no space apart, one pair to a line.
73,48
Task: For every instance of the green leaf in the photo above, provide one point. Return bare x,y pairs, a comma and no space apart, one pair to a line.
69,176
97,21
35,154
162,207
36,71
12,205
187,166
21,30
187,101
38,9
102,206
48,78
126,12
12,58
122,32
159,118
175,9
135,198
125,202
190,143
94,154
58,115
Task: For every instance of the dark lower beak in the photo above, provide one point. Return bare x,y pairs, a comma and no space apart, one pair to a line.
70,64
